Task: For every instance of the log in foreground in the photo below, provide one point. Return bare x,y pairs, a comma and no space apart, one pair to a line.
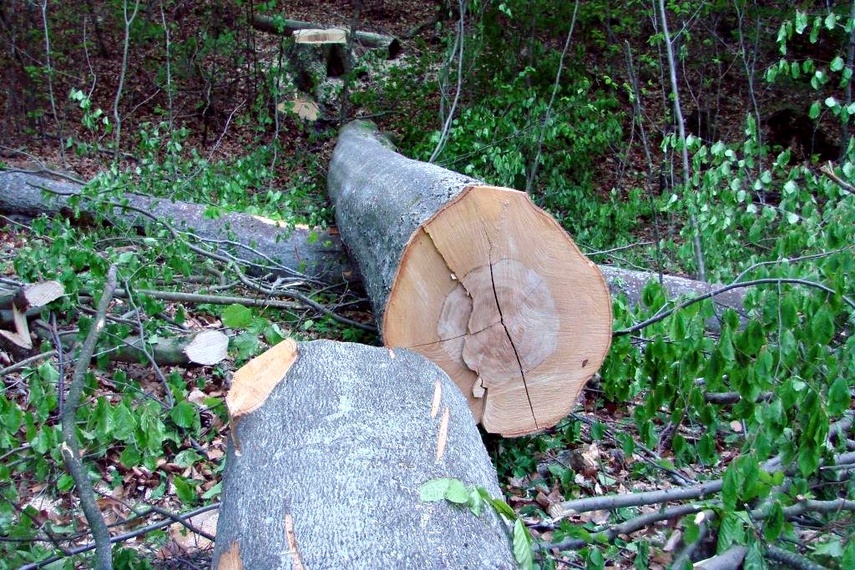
476,278
332,442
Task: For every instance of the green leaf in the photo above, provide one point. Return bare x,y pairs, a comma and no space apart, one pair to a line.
522,546
475,502
65,483
725,345
213,491
434,490
457,492
839,397
815,109
730,531
801,21
184,414
237,317
187,458
836,64
184,490
502,508
754,557
822,325
103,416
124,423
830,20
730,488
774,522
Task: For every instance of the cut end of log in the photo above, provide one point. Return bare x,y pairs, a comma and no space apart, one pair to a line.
207,348
494,291
256,379
327,36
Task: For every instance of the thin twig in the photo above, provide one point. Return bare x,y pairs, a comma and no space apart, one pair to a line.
440,144
681,129
532,173
26,362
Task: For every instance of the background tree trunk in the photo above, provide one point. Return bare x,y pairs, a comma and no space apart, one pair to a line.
326,471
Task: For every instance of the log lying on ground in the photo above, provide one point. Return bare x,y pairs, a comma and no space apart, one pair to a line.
332,442
288,27
204,348
315,255
476,278
320,258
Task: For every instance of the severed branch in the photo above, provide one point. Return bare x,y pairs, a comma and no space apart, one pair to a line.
70,446
765,281
126,536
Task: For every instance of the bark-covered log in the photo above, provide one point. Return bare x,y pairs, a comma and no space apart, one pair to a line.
476,278
288,27
322,257
205,348
332,442
315,254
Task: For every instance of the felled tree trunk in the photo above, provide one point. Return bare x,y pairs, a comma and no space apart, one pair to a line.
287,27
317,254
267,245
331,444
476,278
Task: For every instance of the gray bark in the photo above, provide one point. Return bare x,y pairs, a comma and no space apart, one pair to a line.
342,446
381,198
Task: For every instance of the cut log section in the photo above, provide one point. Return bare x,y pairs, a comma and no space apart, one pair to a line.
332,443
285,27
22,301
476,278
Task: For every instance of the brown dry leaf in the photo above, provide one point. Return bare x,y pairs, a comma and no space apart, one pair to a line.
183,541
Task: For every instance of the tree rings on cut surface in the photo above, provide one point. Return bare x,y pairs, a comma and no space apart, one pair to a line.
495,292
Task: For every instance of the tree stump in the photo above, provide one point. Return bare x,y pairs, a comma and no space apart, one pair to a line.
476,278
331,444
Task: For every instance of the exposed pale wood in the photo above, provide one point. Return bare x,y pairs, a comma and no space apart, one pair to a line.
476,278
332,462
327,36
254,381
207,348
204,348
21,336
31,296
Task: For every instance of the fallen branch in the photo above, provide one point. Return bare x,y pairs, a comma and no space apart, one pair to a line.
121,537
766,281
70,447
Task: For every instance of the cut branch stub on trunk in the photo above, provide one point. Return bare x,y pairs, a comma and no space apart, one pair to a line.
476,278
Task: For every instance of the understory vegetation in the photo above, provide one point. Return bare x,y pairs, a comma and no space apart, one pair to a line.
739,171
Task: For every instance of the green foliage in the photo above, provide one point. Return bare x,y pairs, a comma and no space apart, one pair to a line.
475,499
